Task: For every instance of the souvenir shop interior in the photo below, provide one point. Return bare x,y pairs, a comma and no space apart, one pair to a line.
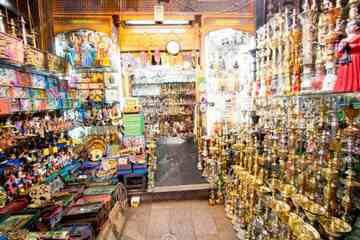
179,119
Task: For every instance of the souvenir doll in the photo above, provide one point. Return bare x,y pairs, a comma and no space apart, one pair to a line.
104,115
70,57
349,60
99,118
21,182
88,53
10,185
157,57
143,59
100,58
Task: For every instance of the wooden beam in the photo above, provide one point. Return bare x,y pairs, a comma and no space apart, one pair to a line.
46,25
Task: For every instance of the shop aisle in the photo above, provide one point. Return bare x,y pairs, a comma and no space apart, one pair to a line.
177,220
177,163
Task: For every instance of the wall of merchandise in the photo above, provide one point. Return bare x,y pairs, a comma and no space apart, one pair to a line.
49,181
291,168
167,94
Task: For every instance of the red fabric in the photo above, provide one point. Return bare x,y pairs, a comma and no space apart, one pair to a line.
349,74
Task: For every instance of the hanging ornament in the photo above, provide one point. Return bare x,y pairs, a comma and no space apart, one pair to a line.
157,57
143,58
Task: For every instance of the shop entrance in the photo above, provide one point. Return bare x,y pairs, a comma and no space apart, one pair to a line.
166,93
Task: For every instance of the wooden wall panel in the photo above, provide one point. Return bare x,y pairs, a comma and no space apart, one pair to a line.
71,23
215,22
150,38
68,6
243,7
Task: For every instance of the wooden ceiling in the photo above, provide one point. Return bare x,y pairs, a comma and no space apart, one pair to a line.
245,7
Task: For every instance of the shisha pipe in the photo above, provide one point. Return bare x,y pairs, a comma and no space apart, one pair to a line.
351,132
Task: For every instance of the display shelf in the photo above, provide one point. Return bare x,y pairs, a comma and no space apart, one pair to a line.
146,95
176,114
27,69
313,94
161,83
178,94
142,84
94,69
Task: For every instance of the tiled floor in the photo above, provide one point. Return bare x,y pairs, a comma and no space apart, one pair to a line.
177,220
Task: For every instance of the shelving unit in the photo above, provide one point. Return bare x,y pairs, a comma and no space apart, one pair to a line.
169,113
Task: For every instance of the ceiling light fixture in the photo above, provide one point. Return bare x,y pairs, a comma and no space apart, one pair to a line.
151,22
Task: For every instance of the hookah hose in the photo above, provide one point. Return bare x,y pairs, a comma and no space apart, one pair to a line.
121,196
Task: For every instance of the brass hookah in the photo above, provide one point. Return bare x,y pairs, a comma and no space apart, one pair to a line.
296,37
280,52
333,28
351,133
330,174
267,64
211,167
335,227
287,55
308,20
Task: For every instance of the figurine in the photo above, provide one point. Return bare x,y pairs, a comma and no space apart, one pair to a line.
349,60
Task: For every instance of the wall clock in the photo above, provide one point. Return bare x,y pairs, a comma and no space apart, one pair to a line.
173,47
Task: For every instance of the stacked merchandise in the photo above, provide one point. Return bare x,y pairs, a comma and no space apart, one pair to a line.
310,52
50,183
92,60
48,190
23,91
90,85
168,100
177,118
133,171
291,169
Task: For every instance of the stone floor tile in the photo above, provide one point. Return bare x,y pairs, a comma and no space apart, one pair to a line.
172,204
208,237
181,224
203,222
136,229
142,212
199,204
223,224
159,222
178,220
228,235
217,211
